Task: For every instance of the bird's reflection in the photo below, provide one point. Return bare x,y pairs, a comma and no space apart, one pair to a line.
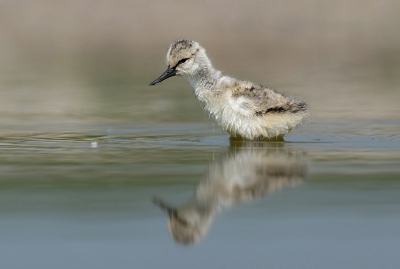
244,171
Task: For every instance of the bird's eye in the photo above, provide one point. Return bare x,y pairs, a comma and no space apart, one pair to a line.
183,60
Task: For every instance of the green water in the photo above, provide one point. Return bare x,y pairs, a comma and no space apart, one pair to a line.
66,203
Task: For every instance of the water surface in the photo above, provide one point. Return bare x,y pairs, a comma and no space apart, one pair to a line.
67,203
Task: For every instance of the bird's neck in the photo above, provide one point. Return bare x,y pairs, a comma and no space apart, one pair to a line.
204,79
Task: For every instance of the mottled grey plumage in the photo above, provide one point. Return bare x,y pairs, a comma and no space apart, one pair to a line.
244,109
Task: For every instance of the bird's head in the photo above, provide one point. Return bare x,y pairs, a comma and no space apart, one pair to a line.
184,58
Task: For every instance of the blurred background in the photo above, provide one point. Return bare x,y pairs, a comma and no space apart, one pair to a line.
89,61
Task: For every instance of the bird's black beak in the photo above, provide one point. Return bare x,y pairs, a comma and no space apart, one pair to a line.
167,74
171,211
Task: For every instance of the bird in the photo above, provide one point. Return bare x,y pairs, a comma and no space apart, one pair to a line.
245,110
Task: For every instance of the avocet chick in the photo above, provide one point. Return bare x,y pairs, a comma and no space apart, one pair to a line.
244,109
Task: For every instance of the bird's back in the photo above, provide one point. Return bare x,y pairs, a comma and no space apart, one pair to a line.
248,110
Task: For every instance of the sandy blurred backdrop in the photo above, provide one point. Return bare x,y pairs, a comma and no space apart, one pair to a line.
58,57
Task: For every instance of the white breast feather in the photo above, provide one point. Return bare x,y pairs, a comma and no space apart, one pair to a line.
241,105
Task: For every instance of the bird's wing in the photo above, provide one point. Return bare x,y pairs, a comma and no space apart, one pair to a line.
251,99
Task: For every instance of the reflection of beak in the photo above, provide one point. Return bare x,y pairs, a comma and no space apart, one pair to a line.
167,74
169,209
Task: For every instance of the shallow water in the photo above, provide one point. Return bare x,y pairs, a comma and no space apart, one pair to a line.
66,203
